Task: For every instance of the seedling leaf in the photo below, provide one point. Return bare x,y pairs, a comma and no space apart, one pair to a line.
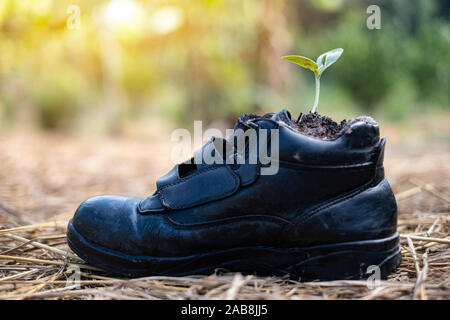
322,63
303,62
327,59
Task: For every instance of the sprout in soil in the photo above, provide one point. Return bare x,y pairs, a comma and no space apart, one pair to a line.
323,62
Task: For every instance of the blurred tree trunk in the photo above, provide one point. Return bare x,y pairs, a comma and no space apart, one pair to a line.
112,98
274,41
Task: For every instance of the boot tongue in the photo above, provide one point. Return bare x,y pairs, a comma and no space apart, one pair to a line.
240,122
283,116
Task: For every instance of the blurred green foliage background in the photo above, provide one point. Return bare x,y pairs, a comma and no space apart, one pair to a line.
214,59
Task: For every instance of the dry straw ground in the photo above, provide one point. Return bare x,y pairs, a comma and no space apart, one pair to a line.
45,176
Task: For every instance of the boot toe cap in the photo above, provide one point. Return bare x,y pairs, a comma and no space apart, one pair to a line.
107,221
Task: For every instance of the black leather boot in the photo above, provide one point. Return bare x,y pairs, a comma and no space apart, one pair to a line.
327,212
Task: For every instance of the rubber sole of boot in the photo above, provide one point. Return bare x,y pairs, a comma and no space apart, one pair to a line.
338,261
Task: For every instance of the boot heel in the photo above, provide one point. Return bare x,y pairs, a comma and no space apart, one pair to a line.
355,260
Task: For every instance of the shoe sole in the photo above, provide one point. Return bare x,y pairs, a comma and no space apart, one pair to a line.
347,260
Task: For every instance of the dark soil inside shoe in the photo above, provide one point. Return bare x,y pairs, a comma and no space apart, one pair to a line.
316,125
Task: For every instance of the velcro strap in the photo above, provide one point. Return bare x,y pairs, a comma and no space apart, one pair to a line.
151,204
208,149
207,184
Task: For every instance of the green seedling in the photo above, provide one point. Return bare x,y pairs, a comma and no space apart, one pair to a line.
322,63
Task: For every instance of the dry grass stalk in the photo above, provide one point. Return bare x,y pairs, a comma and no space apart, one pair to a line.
43,246
408,193
419,284
41,261
430,188
428,239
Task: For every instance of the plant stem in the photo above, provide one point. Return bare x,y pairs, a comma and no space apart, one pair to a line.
316,99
